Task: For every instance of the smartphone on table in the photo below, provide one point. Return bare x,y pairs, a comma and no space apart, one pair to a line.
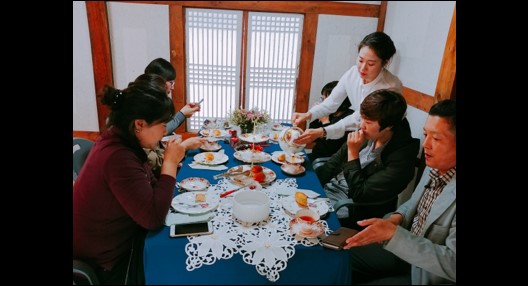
178,230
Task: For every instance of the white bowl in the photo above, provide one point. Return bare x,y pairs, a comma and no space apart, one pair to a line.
251,206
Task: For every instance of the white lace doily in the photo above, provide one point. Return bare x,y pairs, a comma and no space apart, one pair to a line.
267,244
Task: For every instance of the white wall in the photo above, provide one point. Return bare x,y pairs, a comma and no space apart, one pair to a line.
139,33
84,106
419,31
336,49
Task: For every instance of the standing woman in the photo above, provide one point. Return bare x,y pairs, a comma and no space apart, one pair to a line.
116,197
369,74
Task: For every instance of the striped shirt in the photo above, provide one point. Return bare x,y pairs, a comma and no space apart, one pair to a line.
432,191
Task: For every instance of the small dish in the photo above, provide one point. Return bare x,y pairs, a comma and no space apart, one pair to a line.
279,157
277,127
290,205
253,138
211,158
213,133
210,146
243,179
187,203
274,136
248,156
292,169
302,228
294,159
194,184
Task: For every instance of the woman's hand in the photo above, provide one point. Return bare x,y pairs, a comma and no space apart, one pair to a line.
193,143
310,135
174,153
299,118
377,231
189,109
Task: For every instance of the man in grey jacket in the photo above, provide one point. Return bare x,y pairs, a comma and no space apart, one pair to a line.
417,243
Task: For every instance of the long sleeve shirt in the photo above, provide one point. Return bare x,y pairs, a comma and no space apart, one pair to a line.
351,85
115,197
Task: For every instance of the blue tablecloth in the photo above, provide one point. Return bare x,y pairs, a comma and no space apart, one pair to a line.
165,257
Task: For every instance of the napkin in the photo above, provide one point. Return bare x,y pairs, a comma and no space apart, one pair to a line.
179,218
289,191
195,165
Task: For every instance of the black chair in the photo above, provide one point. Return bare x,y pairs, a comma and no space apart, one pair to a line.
81,148
84,274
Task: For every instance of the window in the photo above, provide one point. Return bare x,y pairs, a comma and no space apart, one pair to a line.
214,53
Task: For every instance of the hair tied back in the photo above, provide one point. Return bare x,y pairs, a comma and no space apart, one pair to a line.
118,98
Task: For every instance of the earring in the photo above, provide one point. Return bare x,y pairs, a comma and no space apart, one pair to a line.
137,130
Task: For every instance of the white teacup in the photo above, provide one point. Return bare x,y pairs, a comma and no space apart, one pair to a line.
165,139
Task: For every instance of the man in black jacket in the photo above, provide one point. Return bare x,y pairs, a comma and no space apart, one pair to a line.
377,161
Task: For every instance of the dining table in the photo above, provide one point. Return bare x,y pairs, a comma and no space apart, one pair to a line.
246,254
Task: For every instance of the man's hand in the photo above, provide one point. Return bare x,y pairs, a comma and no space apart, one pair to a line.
377,231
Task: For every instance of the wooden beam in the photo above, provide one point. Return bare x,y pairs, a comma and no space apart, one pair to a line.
317,7
177,58
381,17
101,55
417,99
304,79
90,135
243,59
445,86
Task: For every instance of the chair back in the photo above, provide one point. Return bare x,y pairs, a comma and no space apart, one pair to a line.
419,166
83,273
81,148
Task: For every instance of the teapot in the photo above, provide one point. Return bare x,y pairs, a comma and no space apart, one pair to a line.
286,140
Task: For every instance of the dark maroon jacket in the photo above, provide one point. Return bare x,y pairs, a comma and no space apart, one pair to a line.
114,198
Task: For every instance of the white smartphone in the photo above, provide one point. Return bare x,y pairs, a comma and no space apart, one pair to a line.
178,230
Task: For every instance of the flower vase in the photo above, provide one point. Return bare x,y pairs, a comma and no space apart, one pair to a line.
246,128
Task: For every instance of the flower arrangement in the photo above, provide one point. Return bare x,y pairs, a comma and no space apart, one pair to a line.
248,119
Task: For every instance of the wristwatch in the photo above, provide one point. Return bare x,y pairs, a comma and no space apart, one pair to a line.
324,132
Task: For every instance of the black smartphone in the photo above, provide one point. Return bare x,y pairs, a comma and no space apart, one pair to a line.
178,230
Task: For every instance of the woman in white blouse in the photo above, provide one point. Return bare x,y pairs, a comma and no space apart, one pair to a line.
369,74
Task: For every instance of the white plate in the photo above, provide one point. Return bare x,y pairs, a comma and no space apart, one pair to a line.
291,206
274,136
295,159
241,180
194,184
219,158
211,146
275,157
211,133
278,127
303,228
186,203
287,168
247,156
253,138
